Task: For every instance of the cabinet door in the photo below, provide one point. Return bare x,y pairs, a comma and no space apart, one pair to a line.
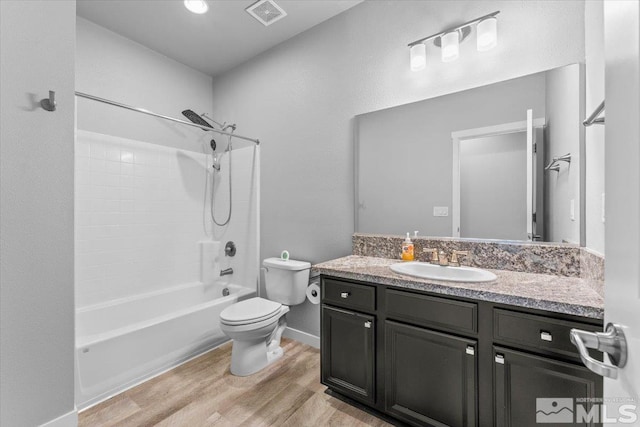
529,387
430,376
348,353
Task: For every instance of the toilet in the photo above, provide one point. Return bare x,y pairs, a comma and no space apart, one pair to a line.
256,325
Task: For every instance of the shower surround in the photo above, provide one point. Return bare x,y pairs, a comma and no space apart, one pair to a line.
141,216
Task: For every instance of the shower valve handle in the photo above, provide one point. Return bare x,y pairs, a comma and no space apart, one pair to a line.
230,249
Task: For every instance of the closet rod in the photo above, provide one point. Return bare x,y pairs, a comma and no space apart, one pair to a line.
142,110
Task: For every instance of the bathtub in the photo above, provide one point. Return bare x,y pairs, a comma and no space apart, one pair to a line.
122,343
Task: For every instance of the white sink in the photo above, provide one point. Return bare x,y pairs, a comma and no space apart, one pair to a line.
451,274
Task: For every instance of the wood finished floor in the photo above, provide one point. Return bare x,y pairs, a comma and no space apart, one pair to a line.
202,392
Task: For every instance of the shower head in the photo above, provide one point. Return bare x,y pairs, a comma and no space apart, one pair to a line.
195,118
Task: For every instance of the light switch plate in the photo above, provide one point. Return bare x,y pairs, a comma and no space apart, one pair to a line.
440,211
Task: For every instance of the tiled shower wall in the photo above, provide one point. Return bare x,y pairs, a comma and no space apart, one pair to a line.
140,217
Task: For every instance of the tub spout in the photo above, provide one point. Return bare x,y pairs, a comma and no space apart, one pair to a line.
226,271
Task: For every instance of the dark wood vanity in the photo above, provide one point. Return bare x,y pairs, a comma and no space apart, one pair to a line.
428,359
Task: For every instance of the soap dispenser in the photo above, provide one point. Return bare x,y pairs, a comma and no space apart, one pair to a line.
407,249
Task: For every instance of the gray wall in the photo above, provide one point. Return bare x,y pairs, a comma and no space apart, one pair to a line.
594,135
113,67
405,153
37,41
563,134
493,187
300,98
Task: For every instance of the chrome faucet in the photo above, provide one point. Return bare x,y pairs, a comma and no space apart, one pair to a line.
226,271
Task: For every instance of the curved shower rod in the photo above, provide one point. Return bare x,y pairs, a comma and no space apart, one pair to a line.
150,113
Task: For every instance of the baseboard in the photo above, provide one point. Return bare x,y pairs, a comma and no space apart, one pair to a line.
70,419
303,337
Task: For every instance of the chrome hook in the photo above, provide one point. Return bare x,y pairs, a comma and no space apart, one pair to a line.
50,103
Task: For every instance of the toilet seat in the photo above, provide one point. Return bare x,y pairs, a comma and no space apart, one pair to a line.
250,311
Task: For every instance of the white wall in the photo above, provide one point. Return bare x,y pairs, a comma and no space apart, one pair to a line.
594,135
37,41
300,98
493,187
113,67
141,200
563,134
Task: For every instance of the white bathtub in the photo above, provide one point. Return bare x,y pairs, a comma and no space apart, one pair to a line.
122,343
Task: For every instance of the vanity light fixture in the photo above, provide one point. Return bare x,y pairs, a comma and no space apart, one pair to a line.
487,37
450,46
196,6
418,57
449,40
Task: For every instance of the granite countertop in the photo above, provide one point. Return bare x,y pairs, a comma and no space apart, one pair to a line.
567,295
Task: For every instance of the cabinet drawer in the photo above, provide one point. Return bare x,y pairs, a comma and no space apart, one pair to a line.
538,332
347,294
431,311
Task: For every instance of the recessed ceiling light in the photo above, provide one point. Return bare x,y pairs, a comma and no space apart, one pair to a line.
196,6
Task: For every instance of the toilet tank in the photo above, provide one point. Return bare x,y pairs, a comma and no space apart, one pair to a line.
286,281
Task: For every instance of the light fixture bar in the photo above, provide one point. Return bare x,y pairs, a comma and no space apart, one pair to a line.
459,27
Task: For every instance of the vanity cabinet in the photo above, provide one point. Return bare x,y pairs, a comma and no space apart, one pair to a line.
348,353
522,378
433,360
430,376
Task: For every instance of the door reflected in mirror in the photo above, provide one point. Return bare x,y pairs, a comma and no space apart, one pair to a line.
478,163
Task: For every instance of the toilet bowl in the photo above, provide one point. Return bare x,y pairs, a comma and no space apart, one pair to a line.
256,325
253,325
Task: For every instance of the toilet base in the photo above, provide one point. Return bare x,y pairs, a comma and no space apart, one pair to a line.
247,358
251,356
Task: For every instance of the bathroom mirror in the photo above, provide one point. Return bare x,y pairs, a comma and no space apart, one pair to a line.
503,161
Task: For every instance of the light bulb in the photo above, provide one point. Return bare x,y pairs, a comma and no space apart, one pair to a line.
196,6
487,34
418,54
450,46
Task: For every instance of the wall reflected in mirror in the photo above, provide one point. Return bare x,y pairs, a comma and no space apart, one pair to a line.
476,163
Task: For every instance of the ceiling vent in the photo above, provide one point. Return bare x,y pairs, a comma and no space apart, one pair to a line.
266,12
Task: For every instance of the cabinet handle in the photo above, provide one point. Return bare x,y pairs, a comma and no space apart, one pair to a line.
500,359
546,336
345,294
367,324
471,351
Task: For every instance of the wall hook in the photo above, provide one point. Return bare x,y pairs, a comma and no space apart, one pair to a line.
553,167
50,103
554,164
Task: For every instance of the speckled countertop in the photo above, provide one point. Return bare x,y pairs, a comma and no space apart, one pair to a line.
568,295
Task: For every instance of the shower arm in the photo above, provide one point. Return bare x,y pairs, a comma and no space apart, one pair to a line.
150,113
223,126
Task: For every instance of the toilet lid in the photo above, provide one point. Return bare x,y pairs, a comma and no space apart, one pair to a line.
250,311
